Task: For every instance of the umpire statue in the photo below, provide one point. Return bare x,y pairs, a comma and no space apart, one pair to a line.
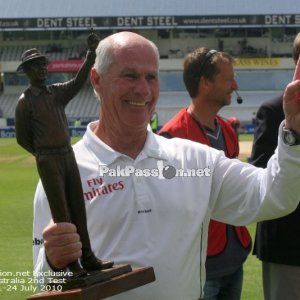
42,129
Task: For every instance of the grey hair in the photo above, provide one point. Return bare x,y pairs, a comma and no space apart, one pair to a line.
104,52
103,56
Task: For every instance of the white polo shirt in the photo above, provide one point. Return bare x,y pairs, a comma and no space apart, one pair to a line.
147,212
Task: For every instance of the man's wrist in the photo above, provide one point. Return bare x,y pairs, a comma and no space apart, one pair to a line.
289,136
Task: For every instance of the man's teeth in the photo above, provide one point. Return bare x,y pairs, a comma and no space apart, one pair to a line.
137,103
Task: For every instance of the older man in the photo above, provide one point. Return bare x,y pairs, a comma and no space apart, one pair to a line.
149,199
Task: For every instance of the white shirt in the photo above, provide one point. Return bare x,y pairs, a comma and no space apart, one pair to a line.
163,222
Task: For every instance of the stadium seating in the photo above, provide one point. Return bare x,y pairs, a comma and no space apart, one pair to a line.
84,105
14,52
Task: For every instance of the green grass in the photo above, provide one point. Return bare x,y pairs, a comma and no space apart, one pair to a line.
252,286
18,179
244,137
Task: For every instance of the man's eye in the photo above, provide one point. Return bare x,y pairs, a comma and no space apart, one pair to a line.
151,77
38,65
130,75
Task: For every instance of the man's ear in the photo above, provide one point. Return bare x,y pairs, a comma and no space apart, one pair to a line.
203,84
204,81
95,79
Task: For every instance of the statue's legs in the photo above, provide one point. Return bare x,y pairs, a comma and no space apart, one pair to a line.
76,204
61,181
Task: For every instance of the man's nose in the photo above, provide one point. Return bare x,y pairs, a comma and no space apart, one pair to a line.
235,86
143,87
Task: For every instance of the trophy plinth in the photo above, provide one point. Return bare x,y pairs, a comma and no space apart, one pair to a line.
101,284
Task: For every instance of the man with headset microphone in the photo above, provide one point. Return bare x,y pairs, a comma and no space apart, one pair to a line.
209,79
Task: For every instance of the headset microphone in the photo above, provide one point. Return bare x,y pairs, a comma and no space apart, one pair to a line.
239,99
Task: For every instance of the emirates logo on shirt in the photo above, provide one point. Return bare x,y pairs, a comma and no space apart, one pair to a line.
97,188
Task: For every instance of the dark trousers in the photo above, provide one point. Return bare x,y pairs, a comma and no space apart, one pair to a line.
60,177
228,287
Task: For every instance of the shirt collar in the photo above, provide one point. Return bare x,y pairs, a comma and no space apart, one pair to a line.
37,91
105,155
153,147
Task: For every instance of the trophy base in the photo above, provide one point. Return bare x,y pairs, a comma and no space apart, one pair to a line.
110,282
94,277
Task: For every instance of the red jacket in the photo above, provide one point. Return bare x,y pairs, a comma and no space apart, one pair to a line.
182,125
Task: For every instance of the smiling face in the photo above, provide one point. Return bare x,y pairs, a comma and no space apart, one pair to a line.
223,84
129,89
